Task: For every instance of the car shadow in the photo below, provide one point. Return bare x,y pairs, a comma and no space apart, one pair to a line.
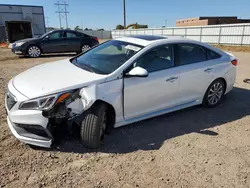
151,134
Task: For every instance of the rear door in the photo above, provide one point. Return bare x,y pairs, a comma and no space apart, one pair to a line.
196,68
53,42
72,41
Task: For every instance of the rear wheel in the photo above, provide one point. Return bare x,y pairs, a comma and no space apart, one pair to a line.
33,51
214,93
94,125
85,48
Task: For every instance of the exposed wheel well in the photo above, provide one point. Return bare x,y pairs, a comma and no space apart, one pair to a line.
111,112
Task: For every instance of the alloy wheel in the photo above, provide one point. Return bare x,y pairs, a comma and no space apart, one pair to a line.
85,48
215,93
34,51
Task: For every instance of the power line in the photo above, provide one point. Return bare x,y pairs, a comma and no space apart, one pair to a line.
166,21
62,12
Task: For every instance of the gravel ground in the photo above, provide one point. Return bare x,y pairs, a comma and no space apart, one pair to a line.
196,147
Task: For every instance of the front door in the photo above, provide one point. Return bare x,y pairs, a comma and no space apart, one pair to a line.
155,92
53,43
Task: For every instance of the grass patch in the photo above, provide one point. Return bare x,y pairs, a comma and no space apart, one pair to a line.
234,48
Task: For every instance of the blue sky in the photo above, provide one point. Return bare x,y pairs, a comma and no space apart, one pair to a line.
108,13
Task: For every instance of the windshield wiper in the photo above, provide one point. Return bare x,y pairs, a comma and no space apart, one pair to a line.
87,68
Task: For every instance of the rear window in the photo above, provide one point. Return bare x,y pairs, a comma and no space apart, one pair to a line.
190,53
212,55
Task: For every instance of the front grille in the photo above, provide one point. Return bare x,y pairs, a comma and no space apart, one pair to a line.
10,100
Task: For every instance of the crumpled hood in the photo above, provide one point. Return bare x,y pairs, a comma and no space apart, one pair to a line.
53,78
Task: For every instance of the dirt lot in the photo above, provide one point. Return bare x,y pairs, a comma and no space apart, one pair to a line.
196,147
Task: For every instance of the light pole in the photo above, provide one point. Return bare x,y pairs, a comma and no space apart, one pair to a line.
166,21
124,13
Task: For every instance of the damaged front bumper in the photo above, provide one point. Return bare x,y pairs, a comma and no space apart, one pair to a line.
29,136
39,127
28,126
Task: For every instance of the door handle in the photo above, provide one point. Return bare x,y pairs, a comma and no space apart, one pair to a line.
208,70
172,79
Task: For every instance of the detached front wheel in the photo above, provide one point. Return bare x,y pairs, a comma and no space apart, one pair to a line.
93,126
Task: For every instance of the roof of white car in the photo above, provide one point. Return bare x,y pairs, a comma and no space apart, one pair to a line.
145,40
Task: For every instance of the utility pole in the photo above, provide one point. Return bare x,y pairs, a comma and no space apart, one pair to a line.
47,21
166,21
62,12
124,13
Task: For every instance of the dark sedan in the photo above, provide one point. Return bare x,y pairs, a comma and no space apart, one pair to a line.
58,41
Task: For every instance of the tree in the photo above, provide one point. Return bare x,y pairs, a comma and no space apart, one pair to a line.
143,26
77,28
87,29
100,29
119,27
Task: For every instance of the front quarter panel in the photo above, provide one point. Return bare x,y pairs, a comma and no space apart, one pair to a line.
112,93
109,92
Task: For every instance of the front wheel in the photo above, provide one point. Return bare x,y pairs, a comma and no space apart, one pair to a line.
214,93
34,51
94,125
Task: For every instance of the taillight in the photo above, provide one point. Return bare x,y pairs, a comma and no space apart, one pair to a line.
96,39
234,62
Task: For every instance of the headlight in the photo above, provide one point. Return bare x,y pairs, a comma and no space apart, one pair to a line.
43,103
19,43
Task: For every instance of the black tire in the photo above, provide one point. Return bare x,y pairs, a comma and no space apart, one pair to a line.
34,51
208,97
92,129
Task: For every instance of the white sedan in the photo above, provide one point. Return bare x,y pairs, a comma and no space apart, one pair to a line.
116,83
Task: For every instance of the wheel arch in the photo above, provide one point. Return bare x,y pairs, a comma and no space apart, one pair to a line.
224,81
219,78
111,111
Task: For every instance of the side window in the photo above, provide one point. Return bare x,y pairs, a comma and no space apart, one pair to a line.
212,55
157,59
70,35
190,53
55,35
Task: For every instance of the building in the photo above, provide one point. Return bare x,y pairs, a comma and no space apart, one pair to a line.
21,21
200,21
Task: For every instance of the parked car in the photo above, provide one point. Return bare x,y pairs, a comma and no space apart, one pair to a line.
58,41
117,83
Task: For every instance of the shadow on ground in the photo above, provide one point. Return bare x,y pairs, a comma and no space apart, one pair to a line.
150,134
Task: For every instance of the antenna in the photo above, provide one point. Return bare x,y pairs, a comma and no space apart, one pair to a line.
62,12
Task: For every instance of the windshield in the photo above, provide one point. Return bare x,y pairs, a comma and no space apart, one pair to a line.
107,57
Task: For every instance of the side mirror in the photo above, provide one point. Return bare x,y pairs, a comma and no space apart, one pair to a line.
46,37
137,72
